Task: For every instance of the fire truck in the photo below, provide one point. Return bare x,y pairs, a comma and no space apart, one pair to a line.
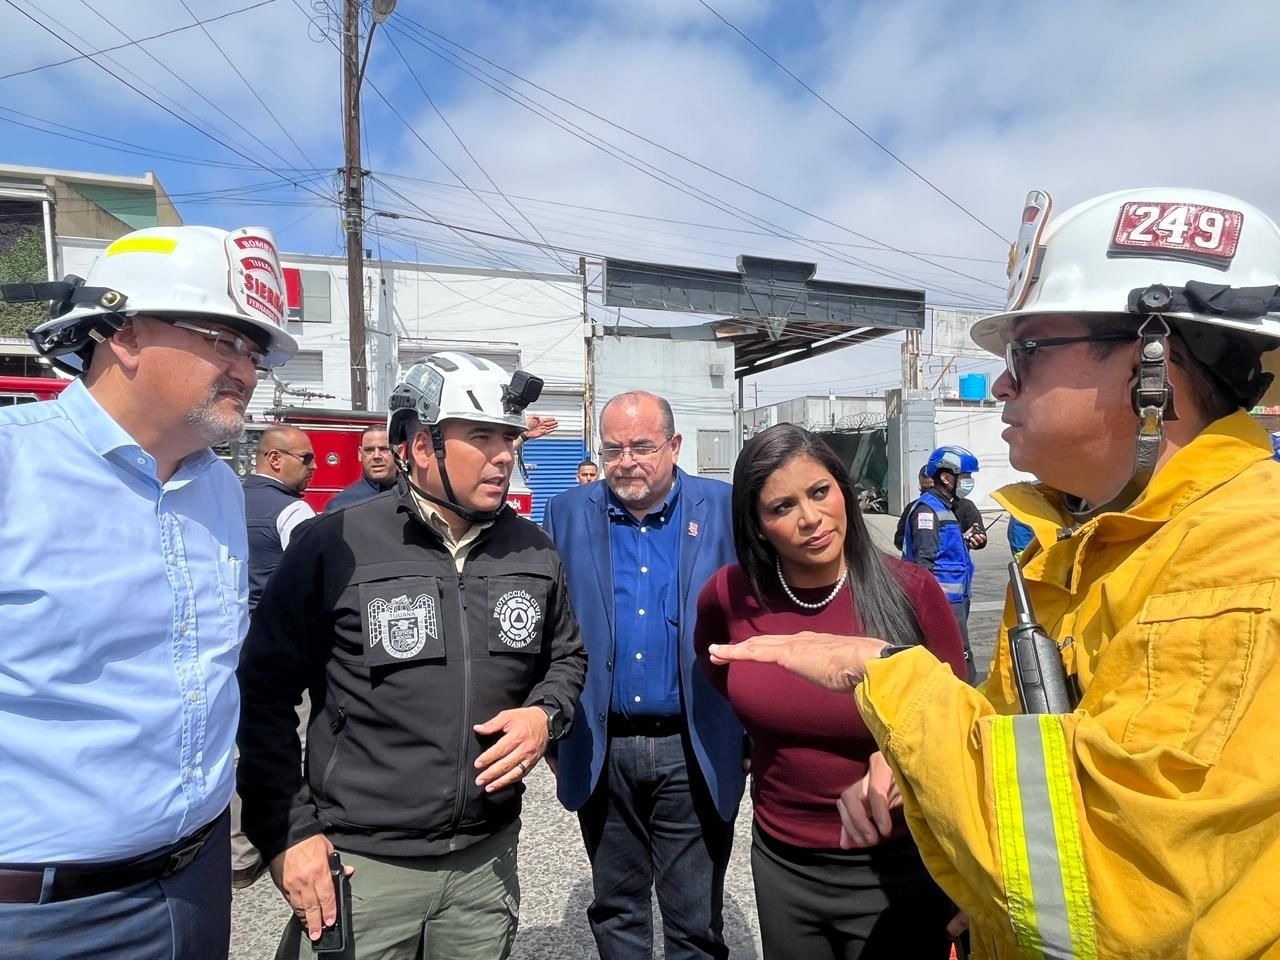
15,390
335,438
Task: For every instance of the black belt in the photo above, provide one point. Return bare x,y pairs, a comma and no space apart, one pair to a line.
620,726
72,881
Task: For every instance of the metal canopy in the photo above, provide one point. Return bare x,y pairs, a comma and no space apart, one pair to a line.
791,316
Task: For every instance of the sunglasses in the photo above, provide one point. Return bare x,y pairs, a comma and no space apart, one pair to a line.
1017,353
306,459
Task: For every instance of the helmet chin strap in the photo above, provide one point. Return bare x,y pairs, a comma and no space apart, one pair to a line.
1152,400
450,499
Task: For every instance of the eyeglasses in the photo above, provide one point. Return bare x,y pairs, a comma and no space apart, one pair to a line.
1018,352
307,459
643,450
227,345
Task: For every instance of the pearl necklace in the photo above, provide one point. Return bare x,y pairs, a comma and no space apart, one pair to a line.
844,574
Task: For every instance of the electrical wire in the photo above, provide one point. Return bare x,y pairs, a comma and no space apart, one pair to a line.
249,86
172,113
830,106
404,19
443,119
134,43
664,177
690,223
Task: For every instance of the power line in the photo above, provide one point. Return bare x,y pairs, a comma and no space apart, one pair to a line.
121,146
692,223
251,88
413,73
134,43
467,151
668,179
827,103
427,44
172,113
238,124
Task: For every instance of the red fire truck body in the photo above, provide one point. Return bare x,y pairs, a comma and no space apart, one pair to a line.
15,390
334,436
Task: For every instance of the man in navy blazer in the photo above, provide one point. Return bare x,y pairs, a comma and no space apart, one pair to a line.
653,762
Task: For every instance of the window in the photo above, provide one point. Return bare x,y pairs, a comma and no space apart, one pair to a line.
317,303
715,453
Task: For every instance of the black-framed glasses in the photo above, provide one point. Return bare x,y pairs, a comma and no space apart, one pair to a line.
227,345
1017,352
643,450
306,459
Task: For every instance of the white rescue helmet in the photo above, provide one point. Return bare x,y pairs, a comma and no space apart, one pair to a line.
228,277
456,386
1217,256
460,386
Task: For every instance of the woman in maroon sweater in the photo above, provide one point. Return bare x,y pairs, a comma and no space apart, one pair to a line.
837,876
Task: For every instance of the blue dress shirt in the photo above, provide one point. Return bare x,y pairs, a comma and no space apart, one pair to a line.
123,602
646,589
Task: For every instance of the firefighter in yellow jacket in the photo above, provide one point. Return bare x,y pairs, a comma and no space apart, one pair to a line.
1140,328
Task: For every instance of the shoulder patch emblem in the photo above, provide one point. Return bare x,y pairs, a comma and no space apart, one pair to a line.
924,520
518,615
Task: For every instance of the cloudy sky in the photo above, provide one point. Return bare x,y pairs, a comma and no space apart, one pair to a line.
657,131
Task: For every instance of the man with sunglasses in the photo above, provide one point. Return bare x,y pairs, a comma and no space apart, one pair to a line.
123,598
273,508
1140,329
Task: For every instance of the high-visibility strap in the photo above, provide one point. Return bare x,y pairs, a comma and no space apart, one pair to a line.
1041,853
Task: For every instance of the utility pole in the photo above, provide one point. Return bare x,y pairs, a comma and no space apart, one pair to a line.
353,211
588,373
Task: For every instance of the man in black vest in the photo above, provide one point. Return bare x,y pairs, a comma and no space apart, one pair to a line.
273,503
273,507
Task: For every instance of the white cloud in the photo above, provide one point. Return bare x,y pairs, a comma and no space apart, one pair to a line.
985,99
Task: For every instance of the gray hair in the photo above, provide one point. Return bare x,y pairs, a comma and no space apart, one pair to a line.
633,398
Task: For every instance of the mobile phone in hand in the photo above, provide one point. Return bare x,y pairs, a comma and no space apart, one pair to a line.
333,938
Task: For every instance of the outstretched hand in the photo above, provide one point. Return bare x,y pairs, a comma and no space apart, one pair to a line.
831,661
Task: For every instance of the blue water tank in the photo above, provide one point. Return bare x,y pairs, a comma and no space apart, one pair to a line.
973,386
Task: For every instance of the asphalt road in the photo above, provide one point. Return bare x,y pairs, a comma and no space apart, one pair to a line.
555,877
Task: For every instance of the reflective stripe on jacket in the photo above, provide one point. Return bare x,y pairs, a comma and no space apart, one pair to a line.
1146,823
952,566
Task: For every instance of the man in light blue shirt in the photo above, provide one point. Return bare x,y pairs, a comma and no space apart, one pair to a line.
123,600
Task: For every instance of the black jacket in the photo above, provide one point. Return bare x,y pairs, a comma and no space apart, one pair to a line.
402,655
264,500
362,489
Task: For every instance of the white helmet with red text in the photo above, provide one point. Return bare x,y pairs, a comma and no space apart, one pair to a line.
228,277
1200,264
1205,261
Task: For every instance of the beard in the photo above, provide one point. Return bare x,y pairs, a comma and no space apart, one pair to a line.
212,421
637,490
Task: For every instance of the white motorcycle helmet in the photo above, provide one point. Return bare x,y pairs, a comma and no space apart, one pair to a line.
456,386
1202,263
229,277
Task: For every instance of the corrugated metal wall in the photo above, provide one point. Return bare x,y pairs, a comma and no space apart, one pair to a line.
551,466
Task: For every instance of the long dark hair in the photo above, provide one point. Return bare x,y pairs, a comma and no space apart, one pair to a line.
880,599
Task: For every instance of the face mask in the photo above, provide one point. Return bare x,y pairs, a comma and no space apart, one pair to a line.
964,487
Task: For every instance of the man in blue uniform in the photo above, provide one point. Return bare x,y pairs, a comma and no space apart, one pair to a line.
934,538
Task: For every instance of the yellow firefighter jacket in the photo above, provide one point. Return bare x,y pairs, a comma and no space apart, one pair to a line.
1146,824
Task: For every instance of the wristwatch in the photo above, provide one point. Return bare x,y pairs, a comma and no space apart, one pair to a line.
557,723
